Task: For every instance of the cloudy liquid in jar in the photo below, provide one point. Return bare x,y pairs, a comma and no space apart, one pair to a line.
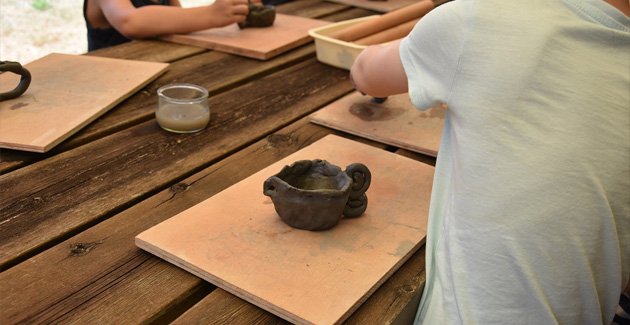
183,118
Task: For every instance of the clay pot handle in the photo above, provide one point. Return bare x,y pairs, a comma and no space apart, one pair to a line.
25,79
361,179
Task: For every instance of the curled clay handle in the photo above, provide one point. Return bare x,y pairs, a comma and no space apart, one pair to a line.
361,179
25,80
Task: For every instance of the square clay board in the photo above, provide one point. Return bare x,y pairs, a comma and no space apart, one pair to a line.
236,240
286,33
395,121
66,93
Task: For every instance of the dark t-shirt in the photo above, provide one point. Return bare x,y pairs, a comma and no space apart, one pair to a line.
103,37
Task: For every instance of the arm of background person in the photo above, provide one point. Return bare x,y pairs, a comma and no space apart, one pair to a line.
151,21
378,71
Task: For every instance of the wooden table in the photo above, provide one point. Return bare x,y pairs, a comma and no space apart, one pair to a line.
68,218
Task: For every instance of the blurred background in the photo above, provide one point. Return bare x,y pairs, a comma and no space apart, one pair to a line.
30,29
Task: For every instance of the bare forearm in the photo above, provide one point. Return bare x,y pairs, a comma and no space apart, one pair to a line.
378,71
151,21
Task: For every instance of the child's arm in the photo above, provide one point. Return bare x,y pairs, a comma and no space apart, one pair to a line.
151,21
378,71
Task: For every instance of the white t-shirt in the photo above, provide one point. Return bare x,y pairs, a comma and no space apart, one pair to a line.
530,212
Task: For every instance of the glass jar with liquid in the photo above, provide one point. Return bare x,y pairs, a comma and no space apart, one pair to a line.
182,108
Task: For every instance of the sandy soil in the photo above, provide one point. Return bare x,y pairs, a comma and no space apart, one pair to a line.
27,34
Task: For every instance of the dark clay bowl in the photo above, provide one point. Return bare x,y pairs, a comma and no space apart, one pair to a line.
312,195
259,16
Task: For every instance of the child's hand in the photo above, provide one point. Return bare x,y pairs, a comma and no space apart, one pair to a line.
226,12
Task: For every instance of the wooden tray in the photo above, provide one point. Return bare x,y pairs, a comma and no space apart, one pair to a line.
380,6
287,32
395,122
236,240
67,92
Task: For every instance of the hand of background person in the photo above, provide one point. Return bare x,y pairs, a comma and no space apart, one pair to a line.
226,12
151,21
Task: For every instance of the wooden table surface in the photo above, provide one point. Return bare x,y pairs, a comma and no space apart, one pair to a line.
68,217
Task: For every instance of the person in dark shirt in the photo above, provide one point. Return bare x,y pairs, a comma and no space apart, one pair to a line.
112,22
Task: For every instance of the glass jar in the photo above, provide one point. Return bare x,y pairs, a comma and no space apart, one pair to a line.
182,108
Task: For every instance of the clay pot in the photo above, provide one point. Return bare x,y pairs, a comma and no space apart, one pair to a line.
259,16
314,195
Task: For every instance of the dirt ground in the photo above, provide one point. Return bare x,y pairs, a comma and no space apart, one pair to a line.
28,33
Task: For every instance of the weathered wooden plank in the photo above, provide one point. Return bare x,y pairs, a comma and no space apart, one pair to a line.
98,273
226,71
222,307
310,8
395,302
102,263
63,194
214,71
148,50
99,276
350,13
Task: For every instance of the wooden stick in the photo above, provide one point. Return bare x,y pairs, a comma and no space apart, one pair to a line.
389,34
383,22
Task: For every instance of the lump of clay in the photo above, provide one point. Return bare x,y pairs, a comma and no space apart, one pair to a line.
259,16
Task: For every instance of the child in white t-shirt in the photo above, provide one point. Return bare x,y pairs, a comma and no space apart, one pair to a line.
530,209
